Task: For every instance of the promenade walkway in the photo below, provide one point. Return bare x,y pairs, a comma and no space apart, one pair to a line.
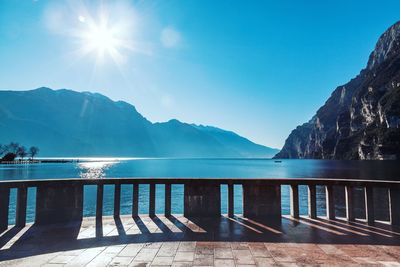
179,241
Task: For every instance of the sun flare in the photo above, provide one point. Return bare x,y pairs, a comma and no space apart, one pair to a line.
102,39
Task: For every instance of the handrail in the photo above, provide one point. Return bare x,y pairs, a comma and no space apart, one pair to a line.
61,200
174,180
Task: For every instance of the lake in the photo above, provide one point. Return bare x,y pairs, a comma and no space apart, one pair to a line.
196,168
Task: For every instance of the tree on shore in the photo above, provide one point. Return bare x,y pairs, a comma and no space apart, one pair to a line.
12,150
21,152
9,157
33,151
9,151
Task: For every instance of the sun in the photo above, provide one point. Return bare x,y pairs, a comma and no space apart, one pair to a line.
102,39
107,34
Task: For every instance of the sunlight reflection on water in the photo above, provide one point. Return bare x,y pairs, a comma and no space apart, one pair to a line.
94,170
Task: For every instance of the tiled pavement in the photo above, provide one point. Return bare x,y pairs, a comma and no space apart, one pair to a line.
178,241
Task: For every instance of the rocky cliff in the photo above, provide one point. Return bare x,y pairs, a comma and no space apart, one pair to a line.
361,119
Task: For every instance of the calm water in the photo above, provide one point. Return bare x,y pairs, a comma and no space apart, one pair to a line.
196,168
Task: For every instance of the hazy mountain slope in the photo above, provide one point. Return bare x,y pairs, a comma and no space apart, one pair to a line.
239,144
64,122
68,123
361,119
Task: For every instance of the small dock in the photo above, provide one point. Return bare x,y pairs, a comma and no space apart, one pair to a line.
36,161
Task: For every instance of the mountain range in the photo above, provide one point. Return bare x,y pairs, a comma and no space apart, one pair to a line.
68,123
361,119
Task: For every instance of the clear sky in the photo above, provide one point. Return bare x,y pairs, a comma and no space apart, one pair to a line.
259,68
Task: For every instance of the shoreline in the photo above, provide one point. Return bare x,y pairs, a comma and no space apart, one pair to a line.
39,161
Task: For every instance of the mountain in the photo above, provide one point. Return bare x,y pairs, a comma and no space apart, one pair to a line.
235,141
68,123
361,119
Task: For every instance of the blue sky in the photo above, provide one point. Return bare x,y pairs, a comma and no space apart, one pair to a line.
259,68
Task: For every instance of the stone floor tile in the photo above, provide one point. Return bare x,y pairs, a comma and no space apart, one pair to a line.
139,264
37,260
243,257
224,263
74,252
205,250
223,253
203,260
182,264
131,250
390,263
222,245
330,249
281,256
101,260
162,261
256,245
314,255
288,264
260,251
168,249
121,261
85,257
261,262
154,245
146,254
184,256
61,259
114,249
366,261
240,245
187,246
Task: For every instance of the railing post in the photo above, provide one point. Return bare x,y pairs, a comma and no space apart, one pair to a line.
349,203
117,200
294,201
167,201
202,199
99,202
20,214
231,204
152,198
4,206
369,205
394,206
262,201
135,200
312,202
330,202
59,202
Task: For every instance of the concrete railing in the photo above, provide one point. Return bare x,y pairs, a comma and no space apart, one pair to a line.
61,200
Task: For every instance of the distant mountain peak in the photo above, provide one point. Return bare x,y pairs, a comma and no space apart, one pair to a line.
211,128
387,46
44,88
174,121
97,96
